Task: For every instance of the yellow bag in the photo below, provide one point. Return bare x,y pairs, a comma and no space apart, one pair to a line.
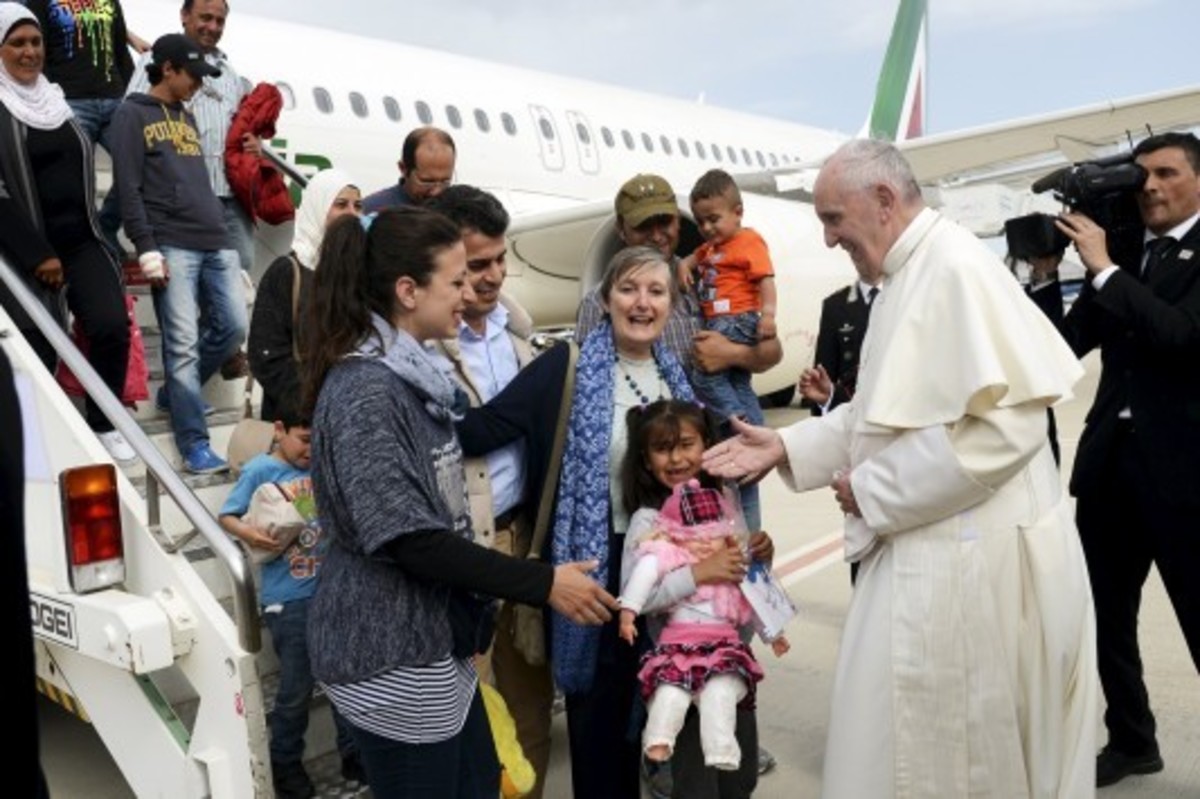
517,776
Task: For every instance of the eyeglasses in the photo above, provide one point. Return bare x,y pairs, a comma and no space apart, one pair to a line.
426,183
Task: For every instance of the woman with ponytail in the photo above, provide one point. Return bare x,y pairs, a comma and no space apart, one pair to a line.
400,609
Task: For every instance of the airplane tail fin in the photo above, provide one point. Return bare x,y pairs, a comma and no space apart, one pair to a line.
899,110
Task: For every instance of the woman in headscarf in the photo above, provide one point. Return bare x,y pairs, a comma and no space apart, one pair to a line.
48,229
274,334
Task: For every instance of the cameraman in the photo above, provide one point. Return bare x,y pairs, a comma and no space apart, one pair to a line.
1137,471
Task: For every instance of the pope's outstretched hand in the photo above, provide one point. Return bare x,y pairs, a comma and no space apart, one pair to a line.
752,451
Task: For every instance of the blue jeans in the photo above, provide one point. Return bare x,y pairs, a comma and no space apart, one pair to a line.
93,116
728,393
202,315
288,720
462,767
240,231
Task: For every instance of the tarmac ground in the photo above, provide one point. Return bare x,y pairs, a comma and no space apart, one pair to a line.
793,700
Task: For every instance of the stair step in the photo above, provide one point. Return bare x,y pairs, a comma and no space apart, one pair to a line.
193,481
161,423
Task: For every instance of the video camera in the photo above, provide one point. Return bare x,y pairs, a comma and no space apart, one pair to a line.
1104,189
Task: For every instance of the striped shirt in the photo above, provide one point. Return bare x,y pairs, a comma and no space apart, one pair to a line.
213,106
411,704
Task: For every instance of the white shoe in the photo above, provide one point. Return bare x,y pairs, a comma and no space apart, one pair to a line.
117,446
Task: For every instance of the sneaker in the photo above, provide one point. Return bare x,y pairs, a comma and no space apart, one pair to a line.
766,761
163,405
117,447
201,459
292,782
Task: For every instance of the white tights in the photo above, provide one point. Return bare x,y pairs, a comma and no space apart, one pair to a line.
717,703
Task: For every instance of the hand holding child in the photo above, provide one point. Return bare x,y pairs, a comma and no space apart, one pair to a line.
686,272
766,326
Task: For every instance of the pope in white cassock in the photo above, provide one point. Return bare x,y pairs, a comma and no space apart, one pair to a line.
967,665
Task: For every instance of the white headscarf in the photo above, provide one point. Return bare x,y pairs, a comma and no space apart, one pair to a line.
40,105
315,203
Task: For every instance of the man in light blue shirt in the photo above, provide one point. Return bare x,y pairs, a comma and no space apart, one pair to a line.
213,106
491,347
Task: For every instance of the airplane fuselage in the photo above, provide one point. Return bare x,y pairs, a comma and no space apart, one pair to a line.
544,144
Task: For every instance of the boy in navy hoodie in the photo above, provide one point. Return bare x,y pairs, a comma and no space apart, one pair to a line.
176,223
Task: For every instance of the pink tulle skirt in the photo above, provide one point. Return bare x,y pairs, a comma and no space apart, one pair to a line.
687,655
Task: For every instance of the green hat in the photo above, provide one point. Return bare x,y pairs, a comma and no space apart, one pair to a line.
643,197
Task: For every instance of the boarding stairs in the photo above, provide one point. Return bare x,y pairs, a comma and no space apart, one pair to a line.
189,718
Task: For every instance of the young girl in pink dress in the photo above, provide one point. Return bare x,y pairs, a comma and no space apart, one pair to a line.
679,538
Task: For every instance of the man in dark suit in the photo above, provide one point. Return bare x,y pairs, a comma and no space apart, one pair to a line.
1137,470
834,373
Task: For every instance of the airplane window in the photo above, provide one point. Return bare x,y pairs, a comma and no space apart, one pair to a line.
627,137
391,108
774,160
510,124
732,154
666,144
608,137
423,112
787,159
746,157
648,142
582,132
324,101
481,120
761,161
546,128
683,148
289,97
700,150
453,117
716,152
358,104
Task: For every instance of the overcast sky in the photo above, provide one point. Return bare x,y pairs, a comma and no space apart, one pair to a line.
811,61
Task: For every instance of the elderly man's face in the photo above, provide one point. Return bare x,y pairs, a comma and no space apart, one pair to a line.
853,220
432,173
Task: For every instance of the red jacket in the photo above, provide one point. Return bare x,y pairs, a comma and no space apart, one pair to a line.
255,182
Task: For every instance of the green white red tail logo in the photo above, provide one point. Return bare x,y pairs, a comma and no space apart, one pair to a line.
899,110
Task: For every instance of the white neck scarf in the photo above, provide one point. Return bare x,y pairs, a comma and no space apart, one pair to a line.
41,104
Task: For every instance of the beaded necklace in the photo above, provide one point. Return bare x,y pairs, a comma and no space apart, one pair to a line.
643,396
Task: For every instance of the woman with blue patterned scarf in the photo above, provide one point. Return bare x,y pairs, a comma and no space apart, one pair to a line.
622,365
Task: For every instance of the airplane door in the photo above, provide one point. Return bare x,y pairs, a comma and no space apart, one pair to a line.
549,141
585,143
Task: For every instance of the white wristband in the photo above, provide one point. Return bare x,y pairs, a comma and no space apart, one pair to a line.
154,267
